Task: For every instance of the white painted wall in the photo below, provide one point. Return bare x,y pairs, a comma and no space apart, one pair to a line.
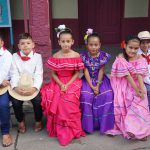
69,9
16,7
136,8
65,9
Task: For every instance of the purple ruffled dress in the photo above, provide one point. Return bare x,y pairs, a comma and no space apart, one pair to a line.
97,110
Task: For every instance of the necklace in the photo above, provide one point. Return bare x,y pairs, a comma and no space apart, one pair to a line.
93,61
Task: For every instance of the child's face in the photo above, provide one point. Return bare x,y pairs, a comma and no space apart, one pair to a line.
1,43
145,45
93,45
26,46
132,48
66,41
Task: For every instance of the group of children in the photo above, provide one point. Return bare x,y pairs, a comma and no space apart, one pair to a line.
75,105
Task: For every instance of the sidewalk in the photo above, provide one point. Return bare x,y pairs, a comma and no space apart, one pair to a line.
40,141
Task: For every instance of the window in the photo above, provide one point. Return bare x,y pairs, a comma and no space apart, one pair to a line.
136,8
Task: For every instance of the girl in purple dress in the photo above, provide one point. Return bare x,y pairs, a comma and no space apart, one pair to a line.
96,93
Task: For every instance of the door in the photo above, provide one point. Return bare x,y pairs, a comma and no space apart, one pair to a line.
104,16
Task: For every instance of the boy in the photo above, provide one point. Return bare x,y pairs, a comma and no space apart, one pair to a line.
5,64
26,61
145,52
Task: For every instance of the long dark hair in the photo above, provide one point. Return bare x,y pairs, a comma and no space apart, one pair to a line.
127,40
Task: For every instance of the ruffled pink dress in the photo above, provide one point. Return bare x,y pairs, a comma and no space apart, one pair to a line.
62,108
131,112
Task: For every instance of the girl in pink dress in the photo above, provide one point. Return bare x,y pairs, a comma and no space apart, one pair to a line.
132,116
60,97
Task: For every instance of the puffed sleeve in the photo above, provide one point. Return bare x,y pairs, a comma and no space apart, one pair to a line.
121,68
142,67
104,57
83,57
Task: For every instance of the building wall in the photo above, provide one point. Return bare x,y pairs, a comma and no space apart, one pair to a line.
63,9
140,10
132,20
66,12
16,9
136,17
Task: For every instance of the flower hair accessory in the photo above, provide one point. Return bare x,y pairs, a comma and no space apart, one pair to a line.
60,29
88,32
122,44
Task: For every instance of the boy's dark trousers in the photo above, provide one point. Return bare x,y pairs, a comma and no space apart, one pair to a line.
18,108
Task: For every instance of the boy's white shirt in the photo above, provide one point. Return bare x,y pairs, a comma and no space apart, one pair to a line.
33,66
141,52
147,78
5,64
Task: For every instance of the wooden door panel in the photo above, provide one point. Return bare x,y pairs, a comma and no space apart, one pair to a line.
104,16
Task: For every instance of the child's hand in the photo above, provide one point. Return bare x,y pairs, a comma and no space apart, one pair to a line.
29,92
19,90
140,93
96,91
25,92
64,87
93,88
144,91
5,83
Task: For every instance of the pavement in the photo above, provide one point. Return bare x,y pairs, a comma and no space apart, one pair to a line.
40,141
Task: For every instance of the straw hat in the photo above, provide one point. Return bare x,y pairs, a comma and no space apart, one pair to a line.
3,90
25,82
144,35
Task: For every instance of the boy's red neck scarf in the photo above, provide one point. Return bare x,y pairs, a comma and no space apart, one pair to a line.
3,48
24,58
147,58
